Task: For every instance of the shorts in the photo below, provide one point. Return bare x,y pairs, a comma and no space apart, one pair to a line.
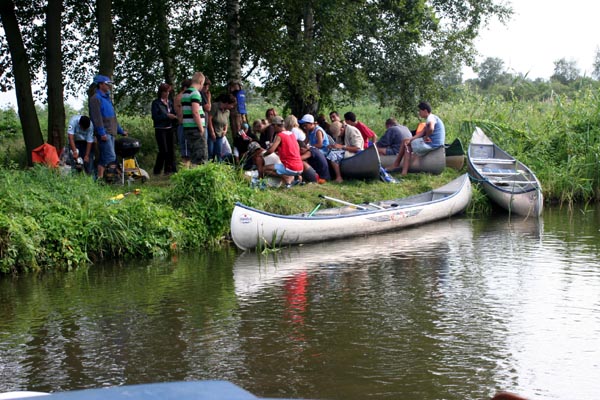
420,148
336,155
282,170
107,150
389,151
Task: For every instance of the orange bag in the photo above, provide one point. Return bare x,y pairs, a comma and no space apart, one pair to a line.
46,154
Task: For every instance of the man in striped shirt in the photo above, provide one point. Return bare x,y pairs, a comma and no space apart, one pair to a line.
193,120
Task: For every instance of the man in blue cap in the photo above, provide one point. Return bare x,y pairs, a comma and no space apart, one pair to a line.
104,118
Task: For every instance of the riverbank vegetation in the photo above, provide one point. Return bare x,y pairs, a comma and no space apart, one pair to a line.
51,221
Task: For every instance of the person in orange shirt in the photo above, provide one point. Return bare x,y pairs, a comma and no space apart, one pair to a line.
367,133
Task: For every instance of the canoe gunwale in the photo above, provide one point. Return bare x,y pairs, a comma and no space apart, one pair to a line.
251,226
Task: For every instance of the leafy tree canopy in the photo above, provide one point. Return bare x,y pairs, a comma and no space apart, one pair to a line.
565,71
309,54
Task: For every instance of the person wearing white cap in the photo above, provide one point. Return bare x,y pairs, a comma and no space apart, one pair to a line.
317,137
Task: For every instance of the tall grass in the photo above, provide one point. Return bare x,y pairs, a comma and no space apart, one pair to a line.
558,138
54,221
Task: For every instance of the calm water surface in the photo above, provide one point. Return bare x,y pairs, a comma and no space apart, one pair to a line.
452,310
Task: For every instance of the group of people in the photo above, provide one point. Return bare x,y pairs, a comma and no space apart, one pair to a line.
101,127
202,124
293,150
311,150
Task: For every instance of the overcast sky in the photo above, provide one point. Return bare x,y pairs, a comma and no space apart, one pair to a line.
540,32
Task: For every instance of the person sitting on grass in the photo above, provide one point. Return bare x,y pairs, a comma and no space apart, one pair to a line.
317,137
287,148
353,143
265,164
367,133
316,168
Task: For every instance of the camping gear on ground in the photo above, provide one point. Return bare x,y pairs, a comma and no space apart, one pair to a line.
252,228
127,148
47,154
505,180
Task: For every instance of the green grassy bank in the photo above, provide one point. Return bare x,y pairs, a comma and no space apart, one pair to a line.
49,221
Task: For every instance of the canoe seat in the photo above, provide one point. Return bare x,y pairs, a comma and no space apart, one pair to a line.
492,160
487,171
481,150
503,182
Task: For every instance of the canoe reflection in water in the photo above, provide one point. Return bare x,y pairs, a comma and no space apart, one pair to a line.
253,272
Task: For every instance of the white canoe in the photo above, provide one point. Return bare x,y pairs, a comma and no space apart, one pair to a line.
252,228
505,180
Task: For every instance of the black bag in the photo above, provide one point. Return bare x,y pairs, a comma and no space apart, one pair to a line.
112,172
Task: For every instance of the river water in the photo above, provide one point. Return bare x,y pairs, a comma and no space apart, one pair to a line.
457,309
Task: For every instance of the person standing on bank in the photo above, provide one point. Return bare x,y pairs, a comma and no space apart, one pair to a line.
164,117
193,120
183,146
104,118
218,121
80,132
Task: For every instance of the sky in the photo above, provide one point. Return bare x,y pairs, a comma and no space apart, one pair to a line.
539,33
542,32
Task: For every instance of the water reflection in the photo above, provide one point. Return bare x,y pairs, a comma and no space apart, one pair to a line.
451,310
253,271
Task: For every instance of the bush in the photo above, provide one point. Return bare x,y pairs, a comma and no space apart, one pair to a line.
205,196
52,221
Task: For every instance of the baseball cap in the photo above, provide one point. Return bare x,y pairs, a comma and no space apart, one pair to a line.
277,120
252,147
307,119
102,79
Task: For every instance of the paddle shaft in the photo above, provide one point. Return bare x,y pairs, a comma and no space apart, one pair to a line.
342,202
314,210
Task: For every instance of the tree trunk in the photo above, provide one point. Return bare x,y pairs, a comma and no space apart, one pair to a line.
32,133
105,37
301,97
106,41
235,63
233,29
164,49
56,105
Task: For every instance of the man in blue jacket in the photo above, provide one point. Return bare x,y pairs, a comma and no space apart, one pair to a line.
105,122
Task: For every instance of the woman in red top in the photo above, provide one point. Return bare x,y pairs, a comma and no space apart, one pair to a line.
288,150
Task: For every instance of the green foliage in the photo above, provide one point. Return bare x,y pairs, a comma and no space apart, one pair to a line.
558,139
596,69
205,196
9,123
565,71
49,220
